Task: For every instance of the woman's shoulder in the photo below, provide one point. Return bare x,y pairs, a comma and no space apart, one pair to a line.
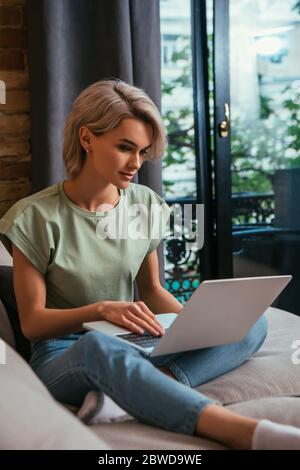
139,193
43,202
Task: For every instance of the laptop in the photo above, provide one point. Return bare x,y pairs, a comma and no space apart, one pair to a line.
218,312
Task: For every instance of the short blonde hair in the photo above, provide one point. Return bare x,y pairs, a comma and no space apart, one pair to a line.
101,107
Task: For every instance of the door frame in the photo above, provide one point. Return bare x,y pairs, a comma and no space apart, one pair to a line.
207,261
222,146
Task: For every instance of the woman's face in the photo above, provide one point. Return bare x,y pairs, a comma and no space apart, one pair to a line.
121,150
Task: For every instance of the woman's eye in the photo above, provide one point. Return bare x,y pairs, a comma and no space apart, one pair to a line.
124,148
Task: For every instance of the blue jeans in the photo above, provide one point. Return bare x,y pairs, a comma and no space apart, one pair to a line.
73,365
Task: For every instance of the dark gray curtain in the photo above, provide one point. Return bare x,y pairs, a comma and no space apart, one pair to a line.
73,43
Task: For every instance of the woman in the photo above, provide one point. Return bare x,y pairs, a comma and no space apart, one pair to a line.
67,273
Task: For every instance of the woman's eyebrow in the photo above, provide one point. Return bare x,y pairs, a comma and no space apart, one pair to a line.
128,141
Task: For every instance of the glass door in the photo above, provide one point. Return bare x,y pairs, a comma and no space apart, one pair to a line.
187,163
257,157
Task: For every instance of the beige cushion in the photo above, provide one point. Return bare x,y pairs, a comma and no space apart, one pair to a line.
284,410
137,436
31,418
270,372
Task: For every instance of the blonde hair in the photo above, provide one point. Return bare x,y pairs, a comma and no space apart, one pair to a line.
101,107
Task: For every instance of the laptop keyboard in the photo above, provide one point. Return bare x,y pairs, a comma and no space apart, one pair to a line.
145,340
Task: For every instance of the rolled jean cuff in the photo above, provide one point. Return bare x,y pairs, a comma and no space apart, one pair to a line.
191,422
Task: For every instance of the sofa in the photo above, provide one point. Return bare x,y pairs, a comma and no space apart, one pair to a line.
266,386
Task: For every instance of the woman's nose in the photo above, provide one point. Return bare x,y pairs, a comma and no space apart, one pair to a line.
135,161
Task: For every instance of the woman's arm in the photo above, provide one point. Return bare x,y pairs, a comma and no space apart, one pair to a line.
37,321
157,299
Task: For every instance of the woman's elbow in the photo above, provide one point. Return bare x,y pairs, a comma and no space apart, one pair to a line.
29,329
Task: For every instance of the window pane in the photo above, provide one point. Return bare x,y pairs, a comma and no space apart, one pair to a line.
265,140
179,170
179,176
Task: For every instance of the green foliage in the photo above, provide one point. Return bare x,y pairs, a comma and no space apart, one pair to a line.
179,123
258,147
261,147
293,130
297,7
265,108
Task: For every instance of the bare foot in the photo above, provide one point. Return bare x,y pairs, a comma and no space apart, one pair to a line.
228,427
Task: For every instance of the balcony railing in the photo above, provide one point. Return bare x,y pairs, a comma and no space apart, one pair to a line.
253,209
252,214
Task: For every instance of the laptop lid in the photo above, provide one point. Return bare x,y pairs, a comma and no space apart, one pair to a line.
219,312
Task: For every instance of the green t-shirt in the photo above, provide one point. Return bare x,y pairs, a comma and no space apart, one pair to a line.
86,256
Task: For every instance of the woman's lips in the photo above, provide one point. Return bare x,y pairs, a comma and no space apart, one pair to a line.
127,175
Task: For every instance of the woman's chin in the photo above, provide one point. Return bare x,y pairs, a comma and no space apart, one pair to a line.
123,184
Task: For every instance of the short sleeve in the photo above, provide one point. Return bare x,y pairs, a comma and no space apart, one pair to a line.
28,232
159,221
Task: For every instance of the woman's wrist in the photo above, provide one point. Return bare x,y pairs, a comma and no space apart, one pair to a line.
101,309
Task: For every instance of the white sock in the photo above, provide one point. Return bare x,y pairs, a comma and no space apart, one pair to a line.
98,408
108,411
273,436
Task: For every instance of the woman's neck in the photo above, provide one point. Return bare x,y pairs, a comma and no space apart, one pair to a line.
91,196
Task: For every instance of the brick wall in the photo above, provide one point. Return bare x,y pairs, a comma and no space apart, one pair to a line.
15,156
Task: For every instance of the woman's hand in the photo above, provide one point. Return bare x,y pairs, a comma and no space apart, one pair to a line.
134,316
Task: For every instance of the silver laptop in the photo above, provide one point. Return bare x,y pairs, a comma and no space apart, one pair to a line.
218,312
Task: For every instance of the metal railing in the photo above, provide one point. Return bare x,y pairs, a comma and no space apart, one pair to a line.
252,215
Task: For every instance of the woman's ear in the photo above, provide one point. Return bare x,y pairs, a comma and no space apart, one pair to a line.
84,137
